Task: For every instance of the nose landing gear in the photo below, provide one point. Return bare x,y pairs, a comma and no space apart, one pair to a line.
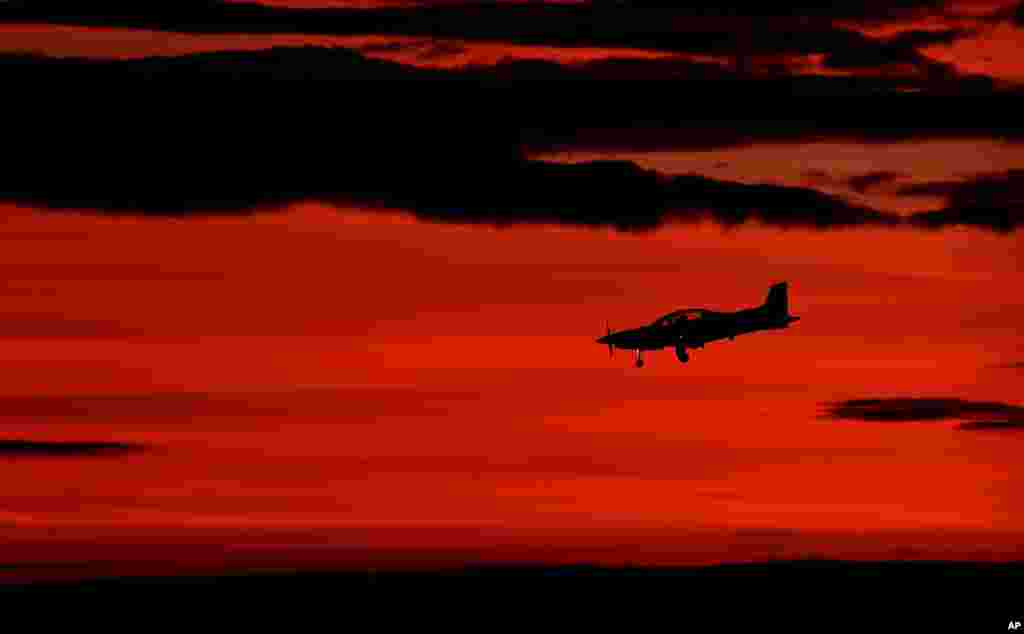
639,358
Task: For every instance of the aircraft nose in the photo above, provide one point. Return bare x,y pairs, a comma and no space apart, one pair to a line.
603,340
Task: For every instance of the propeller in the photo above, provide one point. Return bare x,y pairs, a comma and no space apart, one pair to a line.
611,348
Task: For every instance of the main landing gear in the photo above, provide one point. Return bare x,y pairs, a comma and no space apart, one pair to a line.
681,353
639,354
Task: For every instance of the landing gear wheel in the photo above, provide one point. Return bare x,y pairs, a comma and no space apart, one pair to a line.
681,354
639,363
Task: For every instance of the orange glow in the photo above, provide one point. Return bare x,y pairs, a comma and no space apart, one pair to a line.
322,387
457,390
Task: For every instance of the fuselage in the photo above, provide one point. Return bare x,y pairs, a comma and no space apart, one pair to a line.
696,333
729,325
693,328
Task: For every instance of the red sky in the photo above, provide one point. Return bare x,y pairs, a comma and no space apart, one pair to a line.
458,387
320,386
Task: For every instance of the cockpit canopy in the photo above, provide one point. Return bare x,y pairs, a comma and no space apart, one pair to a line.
681,316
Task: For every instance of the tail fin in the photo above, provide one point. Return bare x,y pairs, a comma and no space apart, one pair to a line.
778,299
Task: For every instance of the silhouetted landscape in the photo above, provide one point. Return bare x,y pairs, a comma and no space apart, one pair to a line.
802,594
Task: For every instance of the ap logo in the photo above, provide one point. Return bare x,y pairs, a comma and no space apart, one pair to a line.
1013,626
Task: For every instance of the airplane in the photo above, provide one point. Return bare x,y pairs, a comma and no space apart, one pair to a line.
694,327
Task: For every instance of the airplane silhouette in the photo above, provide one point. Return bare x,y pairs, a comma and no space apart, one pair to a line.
694,327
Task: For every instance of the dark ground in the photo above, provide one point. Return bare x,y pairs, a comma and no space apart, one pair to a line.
814,594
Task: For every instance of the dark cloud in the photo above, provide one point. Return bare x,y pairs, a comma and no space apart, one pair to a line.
1013,14
64,449
221,134
917,409
615,194
860,183
613,103
609,23
611,70
769,74
901,49
864,182
915,39
994,201
865,10
735,203
690,126
978,415
622,195
171,9
469,189
740,31
341,403
992,425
